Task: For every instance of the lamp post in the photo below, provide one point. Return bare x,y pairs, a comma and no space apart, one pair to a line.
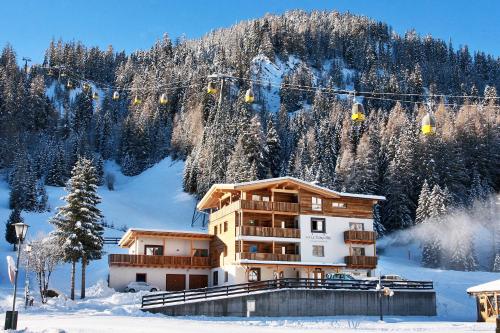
11,316
27,249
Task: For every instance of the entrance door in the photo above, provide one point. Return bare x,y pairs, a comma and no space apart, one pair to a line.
175,282
318,274
198,281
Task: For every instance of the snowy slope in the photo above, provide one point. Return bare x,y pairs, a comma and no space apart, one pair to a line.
153,199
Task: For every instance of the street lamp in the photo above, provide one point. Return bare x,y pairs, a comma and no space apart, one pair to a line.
11,316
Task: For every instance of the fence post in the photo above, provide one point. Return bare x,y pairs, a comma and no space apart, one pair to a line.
227,290
184,293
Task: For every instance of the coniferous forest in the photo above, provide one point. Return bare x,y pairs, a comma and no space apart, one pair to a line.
54,113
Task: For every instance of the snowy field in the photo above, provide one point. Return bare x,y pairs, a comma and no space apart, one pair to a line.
155,199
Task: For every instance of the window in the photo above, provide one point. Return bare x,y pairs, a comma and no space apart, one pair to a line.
316,203
336,204
318,250
318,225
358,251
215,278
215,230
140,277
225,226
356,226
253,249
226,276
255,197
153,250
265,198
200,253
254,275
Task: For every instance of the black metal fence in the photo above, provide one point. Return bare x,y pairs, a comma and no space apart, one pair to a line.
165,298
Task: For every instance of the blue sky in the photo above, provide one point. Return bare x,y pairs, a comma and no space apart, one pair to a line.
129,25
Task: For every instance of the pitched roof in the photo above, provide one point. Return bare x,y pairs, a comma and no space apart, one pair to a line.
300,182
128,237
488,286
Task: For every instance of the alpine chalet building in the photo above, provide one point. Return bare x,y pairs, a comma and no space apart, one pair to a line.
287,228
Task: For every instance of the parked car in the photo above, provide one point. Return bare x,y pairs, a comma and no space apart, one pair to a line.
392,278
341,276
140,286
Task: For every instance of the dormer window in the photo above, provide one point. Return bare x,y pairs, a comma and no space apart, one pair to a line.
316,203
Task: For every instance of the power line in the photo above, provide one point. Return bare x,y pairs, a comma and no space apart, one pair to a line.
372,95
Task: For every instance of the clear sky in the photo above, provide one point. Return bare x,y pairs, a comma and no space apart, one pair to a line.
129,25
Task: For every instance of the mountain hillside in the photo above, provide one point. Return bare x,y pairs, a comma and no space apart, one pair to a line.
306,70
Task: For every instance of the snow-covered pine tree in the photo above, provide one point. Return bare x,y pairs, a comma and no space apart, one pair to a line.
10,231
272,151
496,263
423,209
41,197
366,167
77,224
56,175
432,247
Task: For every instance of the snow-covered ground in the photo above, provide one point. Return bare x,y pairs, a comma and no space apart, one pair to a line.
155,199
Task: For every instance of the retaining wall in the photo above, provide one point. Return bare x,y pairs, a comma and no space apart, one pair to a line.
293,302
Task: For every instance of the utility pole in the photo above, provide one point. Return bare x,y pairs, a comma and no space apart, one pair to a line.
26,60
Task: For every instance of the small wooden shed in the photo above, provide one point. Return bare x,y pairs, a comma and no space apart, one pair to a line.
487,300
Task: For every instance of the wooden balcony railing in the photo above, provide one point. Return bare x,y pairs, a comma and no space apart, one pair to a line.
144,260
361,261
247,230
285,207
282,207
225,210
362,237
269,256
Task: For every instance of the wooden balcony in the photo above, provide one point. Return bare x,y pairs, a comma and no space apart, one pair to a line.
359,237
157,261
368,262
270,206
247,230
269,256
286,208
232,207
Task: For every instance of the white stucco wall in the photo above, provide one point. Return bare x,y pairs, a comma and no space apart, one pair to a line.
335,249
121,276
173,247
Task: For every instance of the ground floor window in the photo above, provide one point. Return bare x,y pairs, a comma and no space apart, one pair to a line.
140,277
254,275
216,278
226,276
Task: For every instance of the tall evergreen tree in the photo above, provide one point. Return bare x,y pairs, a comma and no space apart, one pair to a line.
10,231
77,224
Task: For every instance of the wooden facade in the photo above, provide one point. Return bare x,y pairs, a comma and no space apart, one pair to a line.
268,210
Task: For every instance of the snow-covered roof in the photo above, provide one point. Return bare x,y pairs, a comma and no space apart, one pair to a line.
237,186
290,263
127,239
489,286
